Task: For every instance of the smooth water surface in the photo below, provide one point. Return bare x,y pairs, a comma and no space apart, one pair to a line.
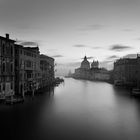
76,110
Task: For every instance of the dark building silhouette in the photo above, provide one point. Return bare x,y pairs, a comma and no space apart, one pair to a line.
27,69
23,69
7,73
46,70
127,71
138,68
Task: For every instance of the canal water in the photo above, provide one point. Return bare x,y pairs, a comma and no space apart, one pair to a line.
75,110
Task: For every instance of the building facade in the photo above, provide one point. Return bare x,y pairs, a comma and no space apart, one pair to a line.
27,69
100,74
23,69
47,70
127,70
138,67
7,73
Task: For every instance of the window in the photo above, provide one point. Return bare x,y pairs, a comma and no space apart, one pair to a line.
3,67
11,67
20,76
29,75
11,50
11,85
29,64
3,49
4,86
24,76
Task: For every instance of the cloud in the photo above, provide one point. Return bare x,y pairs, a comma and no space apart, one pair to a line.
127,30
96,48
90,57
92,27
112,57
80,46
107,64
57,56
86,46
137,38
74,64
27,43
109,61
69,65
119,48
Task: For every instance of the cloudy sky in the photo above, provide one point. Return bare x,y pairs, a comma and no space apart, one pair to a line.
104,30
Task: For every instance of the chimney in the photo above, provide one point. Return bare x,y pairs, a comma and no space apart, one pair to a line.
7,36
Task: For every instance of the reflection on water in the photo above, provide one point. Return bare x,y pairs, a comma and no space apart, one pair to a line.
77,110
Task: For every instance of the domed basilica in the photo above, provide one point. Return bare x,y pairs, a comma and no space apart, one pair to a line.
85,63
92,72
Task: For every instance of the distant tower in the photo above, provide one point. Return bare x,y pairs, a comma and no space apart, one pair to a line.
95,64
85,64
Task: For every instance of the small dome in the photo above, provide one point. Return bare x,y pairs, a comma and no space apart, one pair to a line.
85,63
95,64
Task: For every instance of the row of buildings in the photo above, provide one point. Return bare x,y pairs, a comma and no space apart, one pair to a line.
23,69
126,72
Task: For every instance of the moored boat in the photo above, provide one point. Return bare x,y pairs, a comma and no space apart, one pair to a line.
58,80
135,92
14,100
118,83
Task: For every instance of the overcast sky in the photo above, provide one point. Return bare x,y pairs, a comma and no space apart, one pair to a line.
104,30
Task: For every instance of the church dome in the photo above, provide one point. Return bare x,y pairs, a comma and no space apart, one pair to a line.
85,64
95,64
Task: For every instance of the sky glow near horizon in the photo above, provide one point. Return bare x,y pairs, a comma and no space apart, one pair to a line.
104,30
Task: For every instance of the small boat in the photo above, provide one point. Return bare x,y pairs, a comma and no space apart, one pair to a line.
2,98
58,80
14,100
135,92
118,83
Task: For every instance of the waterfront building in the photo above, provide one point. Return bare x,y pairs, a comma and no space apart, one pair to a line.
91,73
127,70
100,74
47,70
23,69
7,73
138,67
27,69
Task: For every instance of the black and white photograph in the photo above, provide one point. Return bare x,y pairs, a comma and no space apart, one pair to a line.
69,69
